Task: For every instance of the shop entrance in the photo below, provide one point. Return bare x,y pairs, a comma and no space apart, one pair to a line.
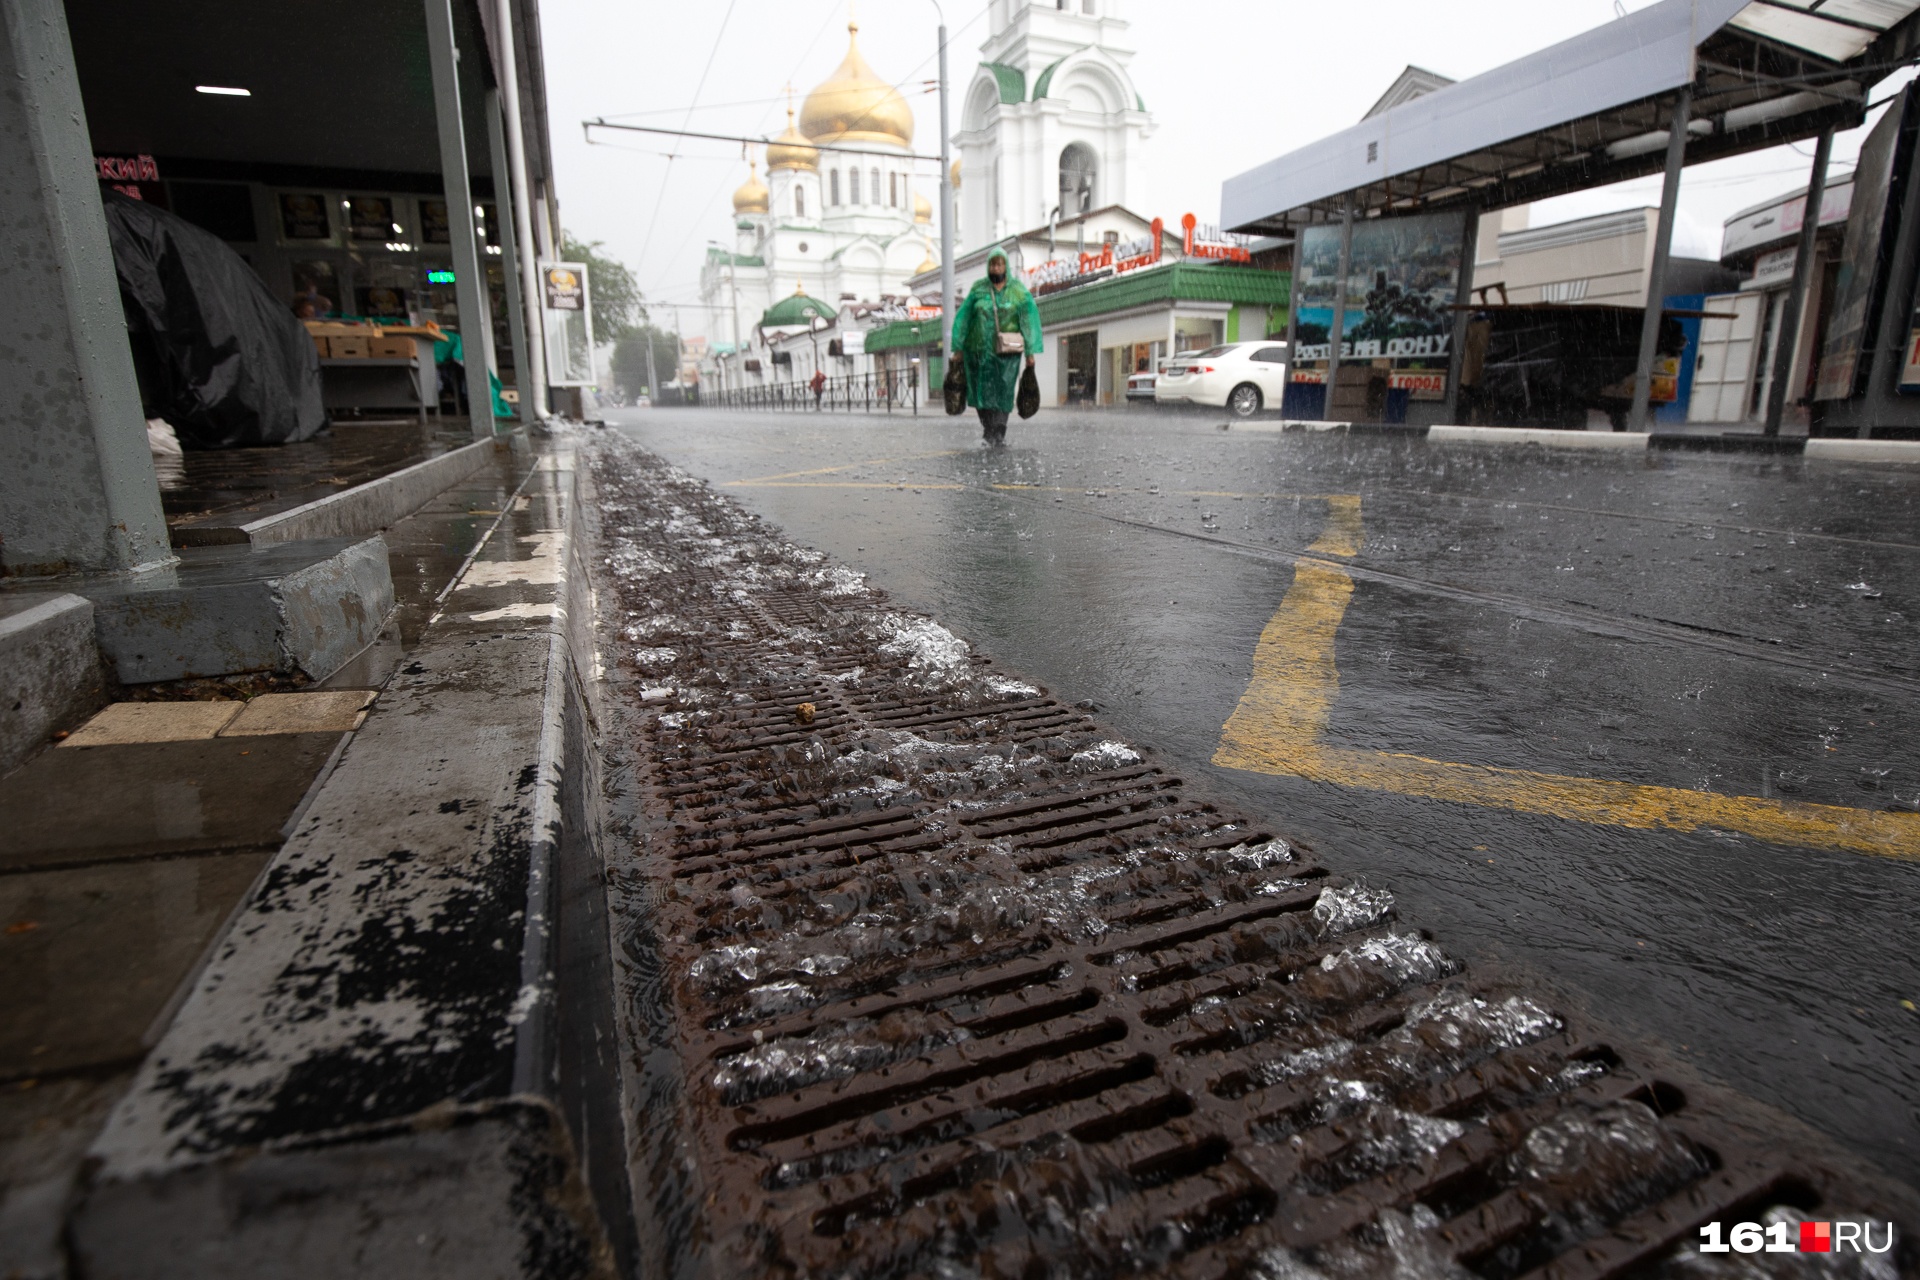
1083,350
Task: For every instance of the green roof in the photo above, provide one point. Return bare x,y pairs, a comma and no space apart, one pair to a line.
1012,80
1173,282
720,257
1046,77
796,308
904,333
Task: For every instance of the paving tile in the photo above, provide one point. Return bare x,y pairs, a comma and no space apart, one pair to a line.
64,807
338,711
89,956
129,722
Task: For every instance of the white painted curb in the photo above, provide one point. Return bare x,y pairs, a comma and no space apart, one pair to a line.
1539,435
1864,450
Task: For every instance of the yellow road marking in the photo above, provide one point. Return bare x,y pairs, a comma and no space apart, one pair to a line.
1282,719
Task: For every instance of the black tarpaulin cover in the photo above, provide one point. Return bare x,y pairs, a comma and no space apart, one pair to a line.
218,356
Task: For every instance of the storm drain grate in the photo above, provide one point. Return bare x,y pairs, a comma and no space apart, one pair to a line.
962,985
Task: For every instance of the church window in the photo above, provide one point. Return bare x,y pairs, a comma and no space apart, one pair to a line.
1086,6
799,202
893,191
875,175
833,184
853,186
1077,168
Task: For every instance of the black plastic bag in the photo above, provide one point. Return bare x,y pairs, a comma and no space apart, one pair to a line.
217,354
955,386
1027,399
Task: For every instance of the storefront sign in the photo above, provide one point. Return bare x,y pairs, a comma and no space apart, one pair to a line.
1208,242
434,228
135,176
1774,268
1102,264
303,216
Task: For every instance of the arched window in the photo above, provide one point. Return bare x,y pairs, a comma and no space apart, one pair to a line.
834,183
893,191
875,175
799,202
1077,168
853,186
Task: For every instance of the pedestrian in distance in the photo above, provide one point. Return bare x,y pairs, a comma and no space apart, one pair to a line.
996,326
819,385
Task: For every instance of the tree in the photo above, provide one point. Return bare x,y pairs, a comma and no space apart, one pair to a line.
630,360
613,293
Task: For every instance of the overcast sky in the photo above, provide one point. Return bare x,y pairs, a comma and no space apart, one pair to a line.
1230,84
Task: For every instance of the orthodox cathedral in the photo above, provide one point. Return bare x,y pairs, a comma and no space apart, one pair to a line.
1049,120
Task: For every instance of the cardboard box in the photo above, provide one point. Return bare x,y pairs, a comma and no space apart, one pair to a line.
320,346
345,348
391,348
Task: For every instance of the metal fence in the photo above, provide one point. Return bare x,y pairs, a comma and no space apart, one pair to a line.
885,392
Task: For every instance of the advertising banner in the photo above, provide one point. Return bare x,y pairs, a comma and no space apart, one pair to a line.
1878,183
1403,279
564,296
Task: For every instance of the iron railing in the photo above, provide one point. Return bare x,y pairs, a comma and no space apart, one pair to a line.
857,393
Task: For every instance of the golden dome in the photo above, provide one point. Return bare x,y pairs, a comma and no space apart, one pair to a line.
922,209
855,105
791,150
954,173
752,196
927,264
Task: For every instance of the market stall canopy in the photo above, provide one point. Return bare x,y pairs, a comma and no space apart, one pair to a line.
1594,110
335,86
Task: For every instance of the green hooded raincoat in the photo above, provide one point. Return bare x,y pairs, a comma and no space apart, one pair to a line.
993,381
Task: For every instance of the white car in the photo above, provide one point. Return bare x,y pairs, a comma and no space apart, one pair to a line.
1241,377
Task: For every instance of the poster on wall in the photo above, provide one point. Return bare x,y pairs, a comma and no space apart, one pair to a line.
564,306
303,216
1878,183
370,218
434,227
1402,281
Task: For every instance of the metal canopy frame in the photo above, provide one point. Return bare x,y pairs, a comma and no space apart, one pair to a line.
1587,112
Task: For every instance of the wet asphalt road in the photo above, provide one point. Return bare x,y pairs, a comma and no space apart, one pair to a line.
1723,632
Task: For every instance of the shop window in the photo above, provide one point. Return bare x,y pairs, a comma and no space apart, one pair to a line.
1077,169
799,202
853,186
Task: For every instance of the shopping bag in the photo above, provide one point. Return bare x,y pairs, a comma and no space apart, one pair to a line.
955,387
1027,399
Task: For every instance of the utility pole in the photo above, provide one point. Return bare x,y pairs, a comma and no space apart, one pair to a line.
534,376
947,302
653,379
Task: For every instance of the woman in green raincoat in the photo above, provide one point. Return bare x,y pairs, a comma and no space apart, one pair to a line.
998,304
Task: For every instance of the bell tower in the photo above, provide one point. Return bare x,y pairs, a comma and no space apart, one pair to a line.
1051,117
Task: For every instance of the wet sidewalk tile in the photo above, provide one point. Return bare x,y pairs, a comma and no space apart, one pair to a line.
131,722
325,712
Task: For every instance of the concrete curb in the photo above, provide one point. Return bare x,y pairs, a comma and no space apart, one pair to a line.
1820,449
383,1034
352,513
49,669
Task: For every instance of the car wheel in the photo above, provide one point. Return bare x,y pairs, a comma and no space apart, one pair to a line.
1244,400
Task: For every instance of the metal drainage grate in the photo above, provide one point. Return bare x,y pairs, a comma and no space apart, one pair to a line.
963,986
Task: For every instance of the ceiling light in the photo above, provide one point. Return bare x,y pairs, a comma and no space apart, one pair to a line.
223,90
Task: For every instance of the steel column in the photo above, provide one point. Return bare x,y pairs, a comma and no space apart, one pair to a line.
1641,416
508,225
1463,298
1787,345
77,486
1334,338
1293,316
520,183
469,282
